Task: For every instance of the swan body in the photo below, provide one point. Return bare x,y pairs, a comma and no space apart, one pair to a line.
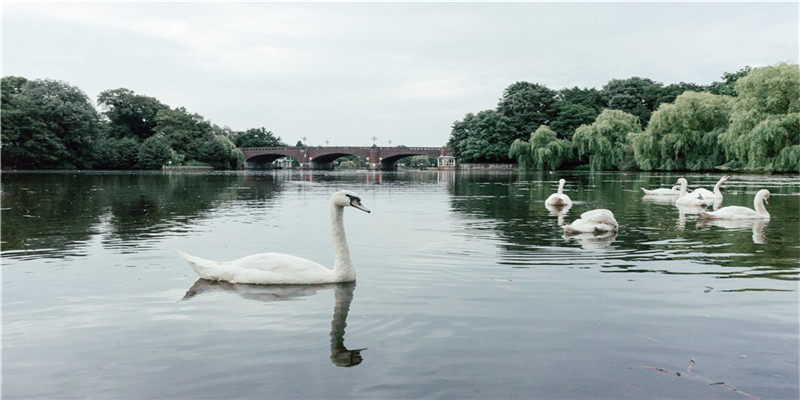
277,268
559,198
690,199
743,213
716,194
594,221
673,192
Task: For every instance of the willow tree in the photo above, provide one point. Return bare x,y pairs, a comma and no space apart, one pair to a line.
765,120
544,151
683,135
605,141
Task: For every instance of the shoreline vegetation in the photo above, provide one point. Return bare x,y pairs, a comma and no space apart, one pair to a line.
749,121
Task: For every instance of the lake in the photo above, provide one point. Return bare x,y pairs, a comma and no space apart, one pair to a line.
466,288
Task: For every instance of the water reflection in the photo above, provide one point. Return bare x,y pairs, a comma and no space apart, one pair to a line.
559,211
757,226
592,241
341,356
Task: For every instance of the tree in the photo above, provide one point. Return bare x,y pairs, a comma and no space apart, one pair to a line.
130,114
221,153
765,120
256,137
183,132
683,135
605,141
48,124
153,153
527,106
482,137
544,151
637,96
727,87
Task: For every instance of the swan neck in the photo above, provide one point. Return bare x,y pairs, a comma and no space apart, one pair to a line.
684,186
342,266
716,188
759,205
561,187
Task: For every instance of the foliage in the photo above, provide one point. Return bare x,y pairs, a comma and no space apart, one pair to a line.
482,137
765,120
47,124
727,87
256,137
153,153
350,162
637,96
130,114
419,161
221,153
183,132
527,106
605,141
544,151
683,135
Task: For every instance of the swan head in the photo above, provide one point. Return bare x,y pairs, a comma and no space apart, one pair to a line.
346,198
682,181
764,195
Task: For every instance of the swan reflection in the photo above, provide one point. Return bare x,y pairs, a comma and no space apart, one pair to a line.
343,294
757,226
559,211
591,241
683,210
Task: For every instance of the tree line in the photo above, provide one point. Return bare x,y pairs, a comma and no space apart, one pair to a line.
50,124
749,120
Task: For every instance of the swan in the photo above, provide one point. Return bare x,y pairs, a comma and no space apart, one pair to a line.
674,191
594,221
716,194
276,268
738,212
690,199
559,198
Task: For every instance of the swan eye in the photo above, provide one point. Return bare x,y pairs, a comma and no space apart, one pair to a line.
354,199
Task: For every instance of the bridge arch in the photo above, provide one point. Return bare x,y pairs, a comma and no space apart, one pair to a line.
384,158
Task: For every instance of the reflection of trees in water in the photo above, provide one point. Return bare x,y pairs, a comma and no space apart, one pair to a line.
50,213
512,206
341,356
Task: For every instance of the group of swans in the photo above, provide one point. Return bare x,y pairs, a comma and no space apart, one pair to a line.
595,221
283,269
703,198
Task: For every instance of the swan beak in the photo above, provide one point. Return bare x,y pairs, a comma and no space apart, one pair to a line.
357,204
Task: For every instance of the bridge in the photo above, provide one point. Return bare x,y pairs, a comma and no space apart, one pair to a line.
384,158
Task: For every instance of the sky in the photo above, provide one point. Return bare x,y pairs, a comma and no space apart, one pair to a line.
399,73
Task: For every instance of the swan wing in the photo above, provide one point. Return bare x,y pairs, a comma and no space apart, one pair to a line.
733,212
556,199
264,268
707,194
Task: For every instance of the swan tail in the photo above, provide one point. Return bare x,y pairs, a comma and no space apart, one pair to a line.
204,268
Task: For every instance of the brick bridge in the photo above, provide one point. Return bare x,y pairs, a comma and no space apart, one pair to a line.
322,157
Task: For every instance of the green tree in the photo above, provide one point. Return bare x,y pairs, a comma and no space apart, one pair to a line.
183,132
605,141
153,153
544,151
256,137
765,120
526,106
221,153
637,96
482,137
130,114
727,87
128,153
683,135
47,124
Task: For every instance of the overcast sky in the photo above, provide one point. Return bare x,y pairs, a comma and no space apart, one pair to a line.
345,72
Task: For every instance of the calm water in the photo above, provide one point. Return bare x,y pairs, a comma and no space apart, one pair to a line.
466,289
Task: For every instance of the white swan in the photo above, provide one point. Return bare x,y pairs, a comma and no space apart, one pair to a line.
674,191
690,199
716,194
594,221
559,198
739,212
276,268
